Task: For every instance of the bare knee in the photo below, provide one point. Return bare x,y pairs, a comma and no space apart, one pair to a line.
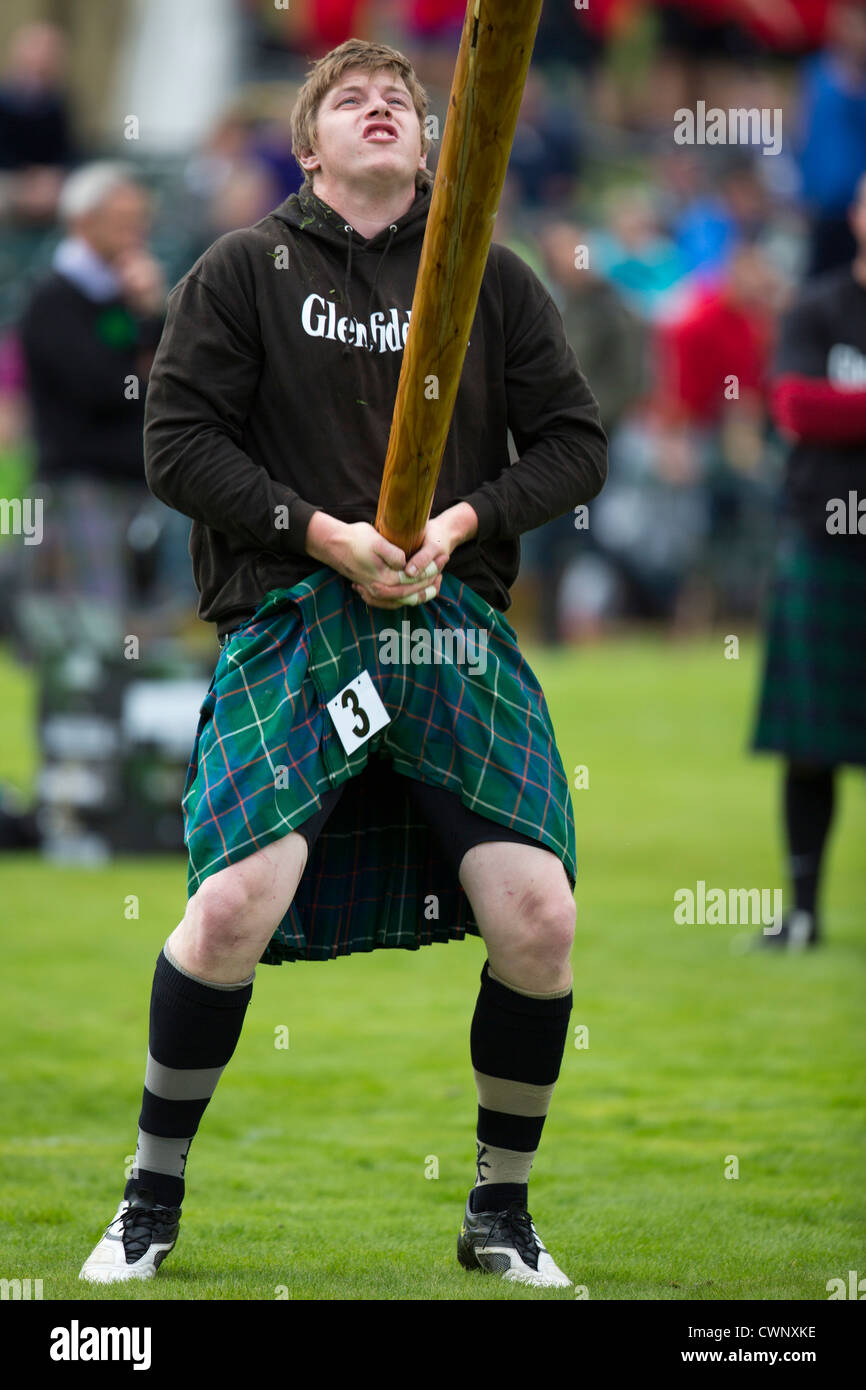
231,917
549,926
535,955
233,905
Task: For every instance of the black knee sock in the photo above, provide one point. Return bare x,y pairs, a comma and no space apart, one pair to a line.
516,1041
809,799
194,1029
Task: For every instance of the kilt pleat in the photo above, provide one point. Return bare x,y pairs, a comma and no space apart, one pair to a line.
813,696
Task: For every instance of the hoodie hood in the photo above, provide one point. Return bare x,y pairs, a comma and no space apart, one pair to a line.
306,212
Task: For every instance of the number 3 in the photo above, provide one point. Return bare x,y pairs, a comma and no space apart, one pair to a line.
350,700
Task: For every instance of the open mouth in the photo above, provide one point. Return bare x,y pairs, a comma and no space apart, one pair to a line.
380,132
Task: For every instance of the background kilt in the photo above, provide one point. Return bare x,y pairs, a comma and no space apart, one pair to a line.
266,749
813,698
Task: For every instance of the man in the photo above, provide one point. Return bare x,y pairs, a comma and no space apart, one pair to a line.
36,142
832,146
610,343
267,422
812,708
87,334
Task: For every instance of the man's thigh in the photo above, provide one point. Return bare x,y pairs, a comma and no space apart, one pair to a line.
522,901
511,880
514,888
517,888
456,828
311,829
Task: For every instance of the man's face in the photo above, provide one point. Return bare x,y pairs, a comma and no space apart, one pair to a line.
120,224
558,244
368,131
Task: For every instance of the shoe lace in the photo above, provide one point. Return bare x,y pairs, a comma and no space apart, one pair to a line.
138,1225
516,1224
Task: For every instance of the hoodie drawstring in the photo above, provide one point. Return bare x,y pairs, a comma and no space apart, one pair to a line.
346,295
391,230
347,299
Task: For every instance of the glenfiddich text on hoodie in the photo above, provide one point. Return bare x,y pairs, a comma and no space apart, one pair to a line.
383,333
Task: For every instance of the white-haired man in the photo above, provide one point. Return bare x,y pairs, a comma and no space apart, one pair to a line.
89,330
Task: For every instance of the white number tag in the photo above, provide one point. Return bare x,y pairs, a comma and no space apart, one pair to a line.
357,712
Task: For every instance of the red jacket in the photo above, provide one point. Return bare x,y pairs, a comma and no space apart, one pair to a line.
715,340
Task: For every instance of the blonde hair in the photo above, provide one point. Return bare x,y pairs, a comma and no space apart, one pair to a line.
328,71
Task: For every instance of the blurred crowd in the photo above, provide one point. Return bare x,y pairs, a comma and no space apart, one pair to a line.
671,263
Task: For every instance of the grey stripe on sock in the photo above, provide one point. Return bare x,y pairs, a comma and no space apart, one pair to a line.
505,1165
160,1155
512,1097
555,994
211,984
181,1083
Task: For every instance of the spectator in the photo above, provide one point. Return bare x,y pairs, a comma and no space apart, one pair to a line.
35,139
687,500
635,253
711,226
610,343
811,708
833,138
545,156
231,181
714,365
702,43
573,36
716,354
88,336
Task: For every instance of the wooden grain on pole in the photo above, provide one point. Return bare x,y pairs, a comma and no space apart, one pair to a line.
495,49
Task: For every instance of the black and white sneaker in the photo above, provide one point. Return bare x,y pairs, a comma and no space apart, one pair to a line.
506,1243
135,1243
797,931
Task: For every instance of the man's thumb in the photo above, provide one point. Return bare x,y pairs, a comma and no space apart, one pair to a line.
393,556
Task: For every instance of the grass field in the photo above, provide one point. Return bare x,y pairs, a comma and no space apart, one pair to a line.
308,1173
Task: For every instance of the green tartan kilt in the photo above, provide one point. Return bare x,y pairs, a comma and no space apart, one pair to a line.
266,750
813,698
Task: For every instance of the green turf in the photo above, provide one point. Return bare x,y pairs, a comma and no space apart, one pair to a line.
309,1170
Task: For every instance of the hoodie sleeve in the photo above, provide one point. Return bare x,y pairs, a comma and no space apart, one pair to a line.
203,381
552,413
